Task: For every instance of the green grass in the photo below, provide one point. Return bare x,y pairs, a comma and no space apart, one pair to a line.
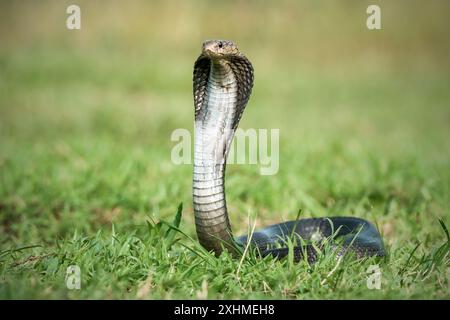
85,171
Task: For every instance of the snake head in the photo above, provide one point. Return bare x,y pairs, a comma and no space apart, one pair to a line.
219,49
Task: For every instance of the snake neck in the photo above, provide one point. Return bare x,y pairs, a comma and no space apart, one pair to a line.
213,135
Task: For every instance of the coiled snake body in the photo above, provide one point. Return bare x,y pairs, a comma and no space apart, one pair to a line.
223,81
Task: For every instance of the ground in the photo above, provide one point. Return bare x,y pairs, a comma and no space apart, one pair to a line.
86,176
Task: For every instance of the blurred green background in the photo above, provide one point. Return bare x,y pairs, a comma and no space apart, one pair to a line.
86,115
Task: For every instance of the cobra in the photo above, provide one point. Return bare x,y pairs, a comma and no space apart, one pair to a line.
223,80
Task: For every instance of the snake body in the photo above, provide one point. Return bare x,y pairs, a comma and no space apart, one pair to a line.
223,81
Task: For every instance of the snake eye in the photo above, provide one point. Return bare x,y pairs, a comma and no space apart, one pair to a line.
220,44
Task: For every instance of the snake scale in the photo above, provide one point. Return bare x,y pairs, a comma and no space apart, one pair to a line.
223,81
